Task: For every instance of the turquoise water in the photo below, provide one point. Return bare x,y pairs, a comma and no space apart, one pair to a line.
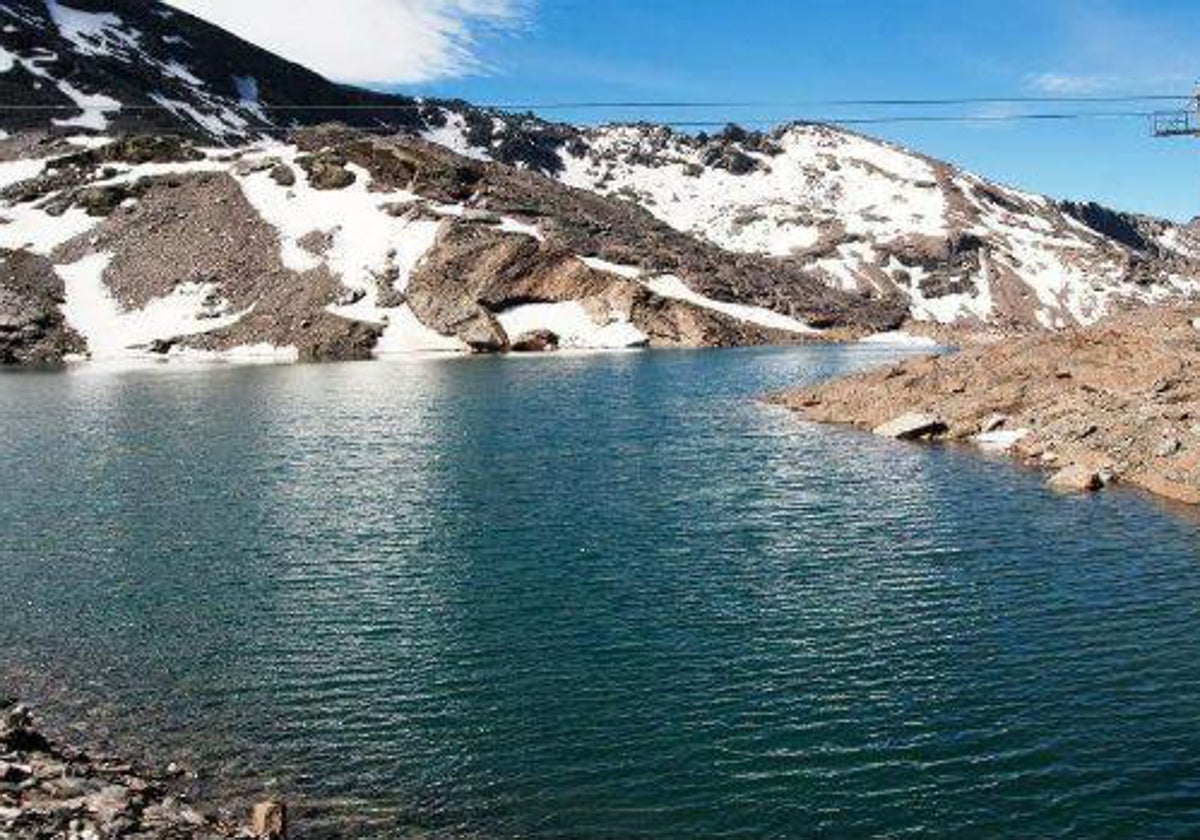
592,597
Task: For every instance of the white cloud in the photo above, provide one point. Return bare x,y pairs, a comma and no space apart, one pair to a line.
365,41
1067,84
1118,46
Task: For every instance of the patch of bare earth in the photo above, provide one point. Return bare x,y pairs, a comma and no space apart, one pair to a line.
1117,402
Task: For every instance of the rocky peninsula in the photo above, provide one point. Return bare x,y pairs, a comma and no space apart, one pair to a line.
1115,403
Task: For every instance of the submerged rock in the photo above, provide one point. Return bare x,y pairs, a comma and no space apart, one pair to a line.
51,791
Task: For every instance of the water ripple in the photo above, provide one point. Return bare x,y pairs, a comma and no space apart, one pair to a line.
603,597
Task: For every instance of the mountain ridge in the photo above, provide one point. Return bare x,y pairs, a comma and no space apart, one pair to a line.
734,237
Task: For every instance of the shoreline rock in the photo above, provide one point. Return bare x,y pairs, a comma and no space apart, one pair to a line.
48,790
1117,403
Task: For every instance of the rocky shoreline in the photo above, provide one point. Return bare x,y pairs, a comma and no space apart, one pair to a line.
49,790
1117,403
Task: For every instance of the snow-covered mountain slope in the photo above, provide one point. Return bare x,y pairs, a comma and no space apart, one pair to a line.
867,216
787,211
119,66
341,245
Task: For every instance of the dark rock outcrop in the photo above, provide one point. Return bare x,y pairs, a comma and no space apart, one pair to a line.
1121,227
32,327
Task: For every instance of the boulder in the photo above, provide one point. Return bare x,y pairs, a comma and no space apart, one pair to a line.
483,334
536,341
913,426
268,820
326,171
102,201
325,177
993,423
283,175
1077,479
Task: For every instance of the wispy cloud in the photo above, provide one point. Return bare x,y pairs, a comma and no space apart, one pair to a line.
370,41
1067,84
1116,46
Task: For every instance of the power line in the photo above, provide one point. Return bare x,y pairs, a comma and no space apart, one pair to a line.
932,118
826,119
837,103
858,121
676,104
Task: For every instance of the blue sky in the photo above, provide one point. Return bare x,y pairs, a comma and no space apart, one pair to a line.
534,51
802,50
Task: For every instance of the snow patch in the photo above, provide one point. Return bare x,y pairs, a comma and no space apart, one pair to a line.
362,232
405,334
25,226
821,176
177,70
453,136
670,286
244,354
89,141
92,33
629,272
510,225
575,328
900,339
222,123
95,107
113,332
1000,440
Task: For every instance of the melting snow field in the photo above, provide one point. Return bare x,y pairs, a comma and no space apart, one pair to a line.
247,354
670,286
405,334
113,332
575,328
900,339
23,226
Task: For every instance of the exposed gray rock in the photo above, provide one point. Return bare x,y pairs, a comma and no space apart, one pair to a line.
283,175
